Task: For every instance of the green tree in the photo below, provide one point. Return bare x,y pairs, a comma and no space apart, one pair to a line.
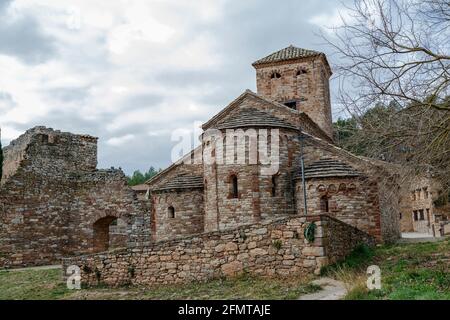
138,177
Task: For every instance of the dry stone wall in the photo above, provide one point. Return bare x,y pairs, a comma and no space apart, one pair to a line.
270,248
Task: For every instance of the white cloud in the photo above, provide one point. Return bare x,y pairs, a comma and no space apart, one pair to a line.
335,19
118,141
8,133
133,71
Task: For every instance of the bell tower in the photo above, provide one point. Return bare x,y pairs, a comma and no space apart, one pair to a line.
299,79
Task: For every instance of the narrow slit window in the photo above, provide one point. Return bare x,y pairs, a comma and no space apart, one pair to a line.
234,187
273,189
324,204
171,212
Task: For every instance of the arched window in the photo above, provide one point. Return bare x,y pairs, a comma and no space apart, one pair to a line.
275,75
301,71
171,212
273,190
324,204
234,186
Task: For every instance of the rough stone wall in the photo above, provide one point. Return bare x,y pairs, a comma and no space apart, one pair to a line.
53,197
255,199
40,144
351,200
188,213
380,185
105,195
271,248
339,239
419,213
310,88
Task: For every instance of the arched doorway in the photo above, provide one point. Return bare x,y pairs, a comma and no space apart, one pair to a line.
101,233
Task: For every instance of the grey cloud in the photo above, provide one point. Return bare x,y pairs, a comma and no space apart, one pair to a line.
138,154
4,4
138,101
23,38
247,31
69,94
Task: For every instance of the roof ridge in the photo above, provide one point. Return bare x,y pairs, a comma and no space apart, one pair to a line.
289,53
224,111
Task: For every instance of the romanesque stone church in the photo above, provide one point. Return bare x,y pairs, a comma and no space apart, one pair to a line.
259,159
292,99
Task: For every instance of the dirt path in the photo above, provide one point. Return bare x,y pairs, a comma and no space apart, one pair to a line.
331,290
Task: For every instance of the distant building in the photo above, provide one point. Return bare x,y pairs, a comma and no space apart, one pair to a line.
141,191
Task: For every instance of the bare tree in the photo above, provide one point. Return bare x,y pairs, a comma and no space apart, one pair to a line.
398,52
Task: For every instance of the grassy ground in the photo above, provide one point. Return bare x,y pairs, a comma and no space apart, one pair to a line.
46,284
408,271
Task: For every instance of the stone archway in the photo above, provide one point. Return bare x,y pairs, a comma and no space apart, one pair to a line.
101,233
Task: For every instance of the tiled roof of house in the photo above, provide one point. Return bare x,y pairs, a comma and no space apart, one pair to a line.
181,182
251,117
140,187
288,53
325,168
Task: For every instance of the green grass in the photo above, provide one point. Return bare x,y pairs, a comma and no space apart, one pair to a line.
408,271
46,284
32,284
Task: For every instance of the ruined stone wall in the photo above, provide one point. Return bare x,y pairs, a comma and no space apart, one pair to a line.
305,81
104,194
34,217
51,201
351,200
68,152
188,213
271,248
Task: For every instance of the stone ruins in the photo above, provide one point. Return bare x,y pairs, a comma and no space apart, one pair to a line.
55,203
234,204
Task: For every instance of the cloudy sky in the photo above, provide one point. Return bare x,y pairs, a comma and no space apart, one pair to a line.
131,72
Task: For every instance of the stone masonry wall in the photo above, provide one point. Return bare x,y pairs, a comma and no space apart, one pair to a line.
260,195
305,81
50,203
351,200
271,248
188,213
381,187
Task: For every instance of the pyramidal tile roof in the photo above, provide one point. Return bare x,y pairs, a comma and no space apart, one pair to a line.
181,182
328,168
289,53
251,117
